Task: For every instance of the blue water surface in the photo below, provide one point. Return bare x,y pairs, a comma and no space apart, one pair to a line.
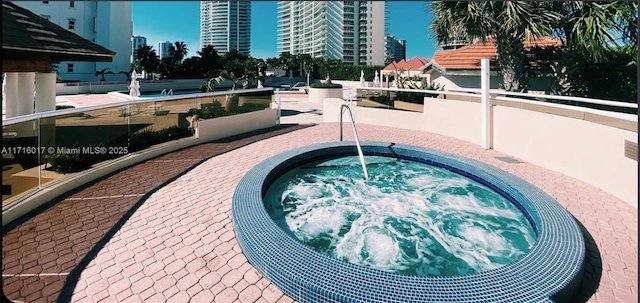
409,217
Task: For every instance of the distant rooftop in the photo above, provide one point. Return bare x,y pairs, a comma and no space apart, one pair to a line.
413,64
539,52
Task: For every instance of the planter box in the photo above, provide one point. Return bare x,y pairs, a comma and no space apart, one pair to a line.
317,95
27,180
397,104
222,127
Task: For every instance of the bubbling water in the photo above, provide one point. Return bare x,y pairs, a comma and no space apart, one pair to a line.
409,217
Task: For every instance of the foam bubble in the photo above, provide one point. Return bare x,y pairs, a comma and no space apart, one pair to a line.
408,217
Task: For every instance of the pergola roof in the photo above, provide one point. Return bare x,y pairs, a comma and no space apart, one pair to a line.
32,43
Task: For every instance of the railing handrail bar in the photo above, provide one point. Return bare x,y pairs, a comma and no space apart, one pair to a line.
54,113
410,90
555,97
495,94
616,115
355,134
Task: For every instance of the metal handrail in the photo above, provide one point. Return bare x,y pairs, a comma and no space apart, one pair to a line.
355,134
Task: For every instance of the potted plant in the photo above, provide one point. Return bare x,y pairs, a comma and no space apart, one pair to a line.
320,91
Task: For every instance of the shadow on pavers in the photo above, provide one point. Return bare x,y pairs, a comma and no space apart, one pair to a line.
592,273
71,281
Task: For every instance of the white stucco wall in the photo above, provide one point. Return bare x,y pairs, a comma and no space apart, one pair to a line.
458,119
591,152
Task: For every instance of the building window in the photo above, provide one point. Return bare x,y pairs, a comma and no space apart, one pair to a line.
72,4
70,68
72,24
45,2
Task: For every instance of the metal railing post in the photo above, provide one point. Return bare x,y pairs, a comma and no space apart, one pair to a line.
485,105
278,100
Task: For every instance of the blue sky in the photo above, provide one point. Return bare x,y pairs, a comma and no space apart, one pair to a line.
180,21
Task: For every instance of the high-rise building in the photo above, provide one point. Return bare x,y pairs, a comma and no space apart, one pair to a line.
107,23
136,43
397,49
163,49
351,31
226,25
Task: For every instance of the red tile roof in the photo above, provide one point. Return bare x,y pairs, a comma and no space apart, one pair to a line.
414,64
468,57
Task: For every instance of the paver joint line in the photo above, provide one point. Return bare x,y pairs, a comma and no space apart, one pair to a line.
207,190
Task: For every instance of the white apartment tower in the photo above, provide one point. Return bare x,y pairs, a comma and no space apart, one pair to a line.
226,25
107,23
351,31
397,48
136,43
163,49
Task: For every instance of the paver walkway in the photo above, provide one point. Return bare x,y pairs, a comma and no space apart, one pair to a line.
144,235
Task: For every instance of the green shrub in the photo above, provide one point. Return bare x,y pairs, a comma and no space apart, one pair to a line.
215,109
58,107
146,137
384,99
325,85
417,98
74,162
251,107
209,110
68,163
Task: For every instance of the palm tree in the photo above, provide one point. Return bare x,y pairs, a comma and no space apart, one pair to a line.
590,29
329,65
306,64
148,58
209,58
388,59
167,68
178,51
591,32
286,61
509,23
102,72
272,63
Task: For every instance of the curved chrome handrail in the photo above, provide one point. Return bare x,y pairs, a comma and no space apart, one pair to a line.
355,134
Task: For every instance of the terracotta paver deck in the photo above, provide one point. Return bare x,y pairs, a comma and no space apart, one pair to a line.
161,231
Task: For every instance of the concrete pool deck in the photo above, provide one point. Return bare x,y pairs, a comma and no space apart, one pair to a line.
161,231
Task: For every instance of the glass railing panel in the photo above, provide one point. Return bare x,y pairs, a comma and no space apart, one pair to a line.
78,141
156,122
44,150
397,100
232,104
20,158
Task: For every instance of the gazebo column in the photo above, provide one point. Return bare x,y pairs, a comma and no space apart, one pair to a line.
26,90
46,101
10,94
45,92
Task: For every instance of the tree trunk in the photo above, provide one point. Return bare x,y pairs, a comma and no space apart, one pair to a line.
512,59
